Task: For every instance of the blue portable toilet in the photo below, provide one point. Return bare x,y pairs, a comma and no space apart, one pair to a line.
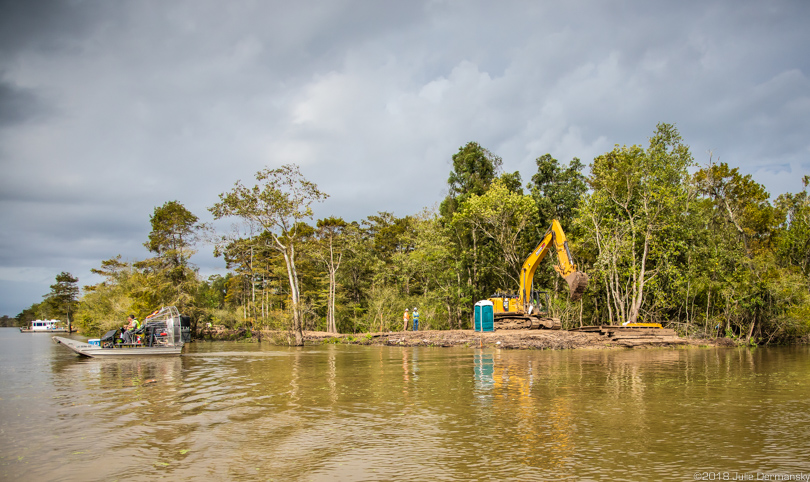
484,316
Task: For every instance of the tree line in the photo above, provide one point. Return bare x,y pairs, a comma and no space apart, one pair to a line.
700,248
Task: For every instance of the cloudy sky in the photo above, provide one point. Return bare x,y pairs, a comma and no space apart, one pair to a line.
109,109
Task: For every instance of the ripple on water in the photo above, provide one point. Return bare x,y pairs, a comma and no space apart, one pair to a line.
228,411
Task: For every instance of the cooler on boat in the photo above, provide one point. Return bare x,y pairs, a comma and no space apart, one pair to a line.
94,341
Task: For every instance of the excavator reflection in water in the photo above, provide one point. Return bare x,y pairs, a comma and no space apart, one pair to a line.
525,311
530,402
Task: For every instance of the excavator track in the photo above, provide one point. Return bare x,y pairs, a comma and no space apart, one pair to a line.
526,322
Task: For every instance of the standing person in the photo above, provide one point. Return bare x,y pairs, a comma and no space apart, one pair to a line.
415,319
405,320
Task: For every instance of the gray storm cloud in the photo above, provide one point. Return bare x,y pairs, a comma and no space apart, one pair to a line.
109,109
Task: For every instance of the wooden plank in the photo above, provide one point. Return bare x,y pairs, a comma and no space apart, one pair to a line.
648,340
642,333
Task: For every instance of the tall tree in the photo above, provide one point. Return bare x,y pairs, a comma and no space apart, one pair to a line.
280,200
557,189
794,245
329,233
434,269
474,169
170,279
502,216
64,295
174,232
740,202
106,304
357,274
639,198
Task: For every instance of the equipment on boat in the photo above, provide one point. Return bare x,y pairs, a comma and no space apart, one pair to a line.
161,334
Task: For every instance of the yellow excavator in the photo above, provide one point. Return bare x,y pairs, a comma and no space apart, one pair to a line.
525,311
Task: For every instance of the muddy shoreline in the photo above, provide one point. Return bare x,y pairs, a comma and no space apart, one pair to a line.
508,339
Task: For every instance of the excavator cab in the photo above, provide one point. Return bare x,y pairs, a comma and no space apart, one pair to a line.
538,303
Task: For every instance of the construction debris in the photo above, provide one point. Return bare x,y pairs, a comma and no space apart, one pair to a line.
630,336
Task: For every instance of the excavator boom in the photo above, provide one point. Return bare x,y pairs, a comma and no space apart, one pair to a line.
565,267
523,310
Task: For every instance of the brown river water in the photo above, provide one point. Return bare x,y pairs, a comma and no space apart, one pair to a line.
251,411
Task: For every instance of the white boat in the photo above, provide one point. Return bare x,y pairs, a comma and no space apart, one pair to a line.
44,326
161,334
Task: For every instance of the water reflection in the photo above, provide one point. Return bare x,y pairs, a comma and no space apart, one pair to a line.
484,370
231,411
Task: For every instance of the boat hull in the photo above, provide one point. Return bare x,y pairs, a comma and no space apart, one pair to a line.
59,330
94,351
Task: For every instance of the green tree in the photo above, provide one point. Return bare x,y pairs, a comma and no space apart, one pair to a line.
474,169
64,296
557,189
33,312
512,181
330,238
356,275
389,234
105,305
632,217
279,201
753,291
433,266
740,202
7,321
168,277
174,232
794,242
502,216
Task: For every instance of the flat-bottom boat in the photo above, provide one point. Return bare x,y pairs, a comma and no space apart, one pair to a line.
93,351
161,334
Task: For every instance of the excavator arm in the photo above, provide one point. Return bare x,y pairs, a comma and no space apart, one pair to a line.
565,267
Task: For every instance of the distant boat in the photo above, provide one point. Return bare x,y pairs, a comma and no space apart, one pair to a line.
45,326
161,334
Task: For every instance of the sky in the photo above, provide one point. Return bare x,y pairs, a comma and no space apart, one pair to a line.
110,109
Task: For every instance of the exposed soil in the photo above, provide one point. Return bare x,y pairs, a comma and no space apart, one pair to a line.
514,339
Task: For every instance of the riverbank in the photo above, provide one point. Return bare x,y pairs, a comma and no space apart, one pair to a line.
509,339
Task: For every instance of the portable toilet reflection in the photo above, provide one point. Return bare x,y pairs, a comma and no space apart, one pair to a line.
484,370
484,316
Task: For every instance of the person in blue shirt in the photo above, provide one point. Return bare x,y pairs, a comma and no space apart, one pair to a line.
415,316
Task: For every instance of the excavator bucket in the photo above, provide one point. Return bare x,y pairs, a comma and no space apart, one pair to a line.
577,282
